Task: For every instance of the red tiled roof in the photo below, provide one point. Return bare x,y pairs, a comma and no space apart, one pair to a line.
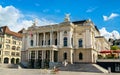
8,31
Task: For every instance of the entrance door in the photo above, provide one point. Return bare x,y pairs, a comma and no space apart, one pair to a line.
117,67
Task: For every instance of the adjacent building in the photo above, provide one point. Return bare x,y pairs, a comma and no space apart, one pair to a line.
10,46
74,42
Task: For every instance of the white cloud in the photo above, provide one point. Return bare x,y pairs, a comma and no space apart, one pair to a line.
114,34
113,15
15,20
90,9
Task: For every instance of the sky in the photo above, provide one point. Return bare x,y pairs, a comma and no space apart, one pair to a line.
18,14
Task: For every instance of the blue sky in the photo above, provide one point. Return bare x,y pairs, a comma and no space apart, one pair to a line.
104,13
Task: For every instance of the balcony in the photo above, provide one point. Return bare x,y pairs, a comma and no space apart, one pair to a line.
44,47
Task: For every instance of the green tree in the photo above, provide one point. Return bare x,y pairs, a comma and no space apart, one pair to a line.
114,48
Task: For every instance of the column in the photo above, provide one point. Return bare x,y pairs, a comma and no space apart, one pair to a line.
35,55
38,40
42,59
44,39
28,55
51,38
61,39
52,57
69,39
58,38
34,38
28,41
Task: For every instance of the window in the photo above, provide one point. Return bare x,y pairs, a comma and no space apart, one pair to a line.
18,48
65,56
6,53
55,41
13,47
80,56
13,53
0,45
48,42
7,41
7,46
14,42
80,43
42,42
32,54
17,54
31,42
65,41
0,52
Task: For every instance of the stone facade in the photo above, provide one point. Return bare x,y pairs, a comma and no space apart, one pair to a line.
74,42
10,46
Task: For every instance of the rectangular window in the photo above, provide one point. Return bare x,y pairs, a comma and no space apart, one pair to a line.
17,54
7,46
13,53
0,45
80,42
6,52
32,54
7,41
14,42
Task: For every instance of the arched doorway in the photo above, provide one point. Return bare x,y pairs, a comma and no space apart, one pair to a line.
13,61
80,56
17,60
65,56
6,60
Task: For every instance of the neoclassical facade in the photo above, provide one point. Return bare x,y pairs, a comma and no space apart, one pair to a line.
10,46
74,42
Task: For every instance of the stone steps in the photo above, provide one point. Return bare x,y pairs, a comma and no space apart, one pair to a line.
80,68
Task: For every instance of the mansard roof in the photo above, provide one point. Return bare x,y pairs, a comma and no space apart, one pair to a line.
79,22
6,30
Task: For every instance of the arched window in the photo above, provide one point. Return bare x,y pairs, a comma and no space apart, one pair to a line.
6,60
65,41
80,43
48,42
65,56
42,42
80,56
55,41
31,42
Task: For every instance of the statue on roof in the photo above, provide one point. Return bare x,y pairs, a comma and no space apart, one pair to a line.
35,23
67,18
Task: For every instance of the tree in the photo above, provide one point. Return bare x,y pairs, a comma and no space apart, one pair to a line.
114,47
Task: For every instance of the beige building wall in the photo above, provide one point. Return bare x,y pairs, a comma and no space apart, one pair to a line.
11,47
74,32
